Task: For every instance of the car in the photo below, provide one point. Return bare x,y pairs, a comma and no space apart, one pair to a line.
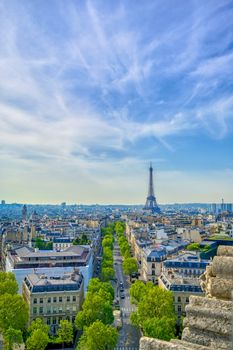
121,288
122,295
121,284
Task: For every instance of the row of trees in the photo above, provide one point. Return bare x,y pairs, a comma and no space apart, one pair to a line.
129,264
107,270
155,314
96,318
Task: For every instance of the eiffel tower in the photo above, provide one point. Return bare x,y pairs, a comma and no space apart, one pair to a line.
151,203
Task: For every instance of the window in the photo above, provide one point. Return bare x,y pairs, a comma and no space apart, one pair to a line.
35,310
153,272
34,301
41,310
178,299
153,265
54,299
54,320
74,298
68,298
41,300
187,299
49,300
60,299
179,309
48,321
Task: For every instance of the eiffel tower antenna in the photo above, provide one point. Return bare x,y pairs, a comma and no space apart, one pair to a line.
151,203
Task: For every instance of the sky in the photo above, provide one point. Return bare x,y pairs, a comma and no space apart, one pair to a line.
92,91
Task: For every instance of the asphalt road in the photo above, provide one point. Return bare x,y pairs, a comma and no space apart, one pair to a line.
128,335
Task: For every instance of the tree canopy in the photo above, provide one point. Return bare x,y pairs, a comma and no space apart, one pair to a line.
65,332
13,312
8,283
98,336
38,324
38,340
83,239
94,308
97,287
130,266
155,312
12,336
43,245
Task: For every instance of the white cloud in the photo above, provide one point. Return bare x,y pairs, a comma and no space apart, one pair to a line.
102,85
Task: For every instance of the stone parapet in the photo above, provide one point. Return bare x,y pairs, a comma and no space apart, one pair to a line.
208,322
222,267
175,344
225,250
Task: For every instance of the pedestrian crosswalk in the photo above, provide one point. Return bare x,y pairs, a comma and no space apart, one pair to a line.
126,348
127,309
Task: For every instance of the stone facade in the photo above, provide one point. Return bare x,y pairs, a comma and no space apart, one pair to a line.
209,320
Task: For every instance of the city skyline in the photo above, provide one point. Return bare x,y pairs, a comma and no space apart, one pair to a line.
92,92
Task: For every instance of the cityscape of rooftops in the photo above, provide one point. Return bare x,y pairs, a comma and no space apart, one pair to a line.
116,175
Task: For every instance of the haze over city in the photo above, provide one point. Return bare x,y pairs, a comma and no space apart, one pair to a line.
91,92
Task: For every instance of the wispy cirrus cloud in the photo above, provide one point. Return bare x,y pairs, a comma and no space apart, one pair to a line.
103,82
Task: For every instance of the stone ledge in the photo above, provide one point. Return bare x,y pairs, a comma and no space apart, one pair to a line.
209,339
225,250
175,344
210,303
222,266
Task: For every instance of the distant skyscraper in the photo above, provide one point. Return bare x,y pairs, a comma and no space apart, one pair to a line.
223,206
24,212
214,208
151,203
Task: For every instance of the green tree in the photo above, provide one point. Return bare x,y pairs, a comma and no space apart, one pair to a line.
65,332
107,273
96,287
12,336
13,312
130,266
107,242
107,253
8,283
160,328
119,227
98,336
94,308
136,291
38,324
38,340
42,244
125,250
193,246
155,310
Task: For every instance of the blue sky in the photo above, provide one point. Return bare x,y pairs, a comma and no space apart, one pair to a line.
92,91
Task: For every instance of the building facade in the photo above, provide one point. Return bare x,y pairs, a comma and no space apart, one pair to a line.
53,298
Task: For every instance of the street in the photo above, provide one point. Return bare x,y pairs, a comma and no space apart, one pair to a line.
128,335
